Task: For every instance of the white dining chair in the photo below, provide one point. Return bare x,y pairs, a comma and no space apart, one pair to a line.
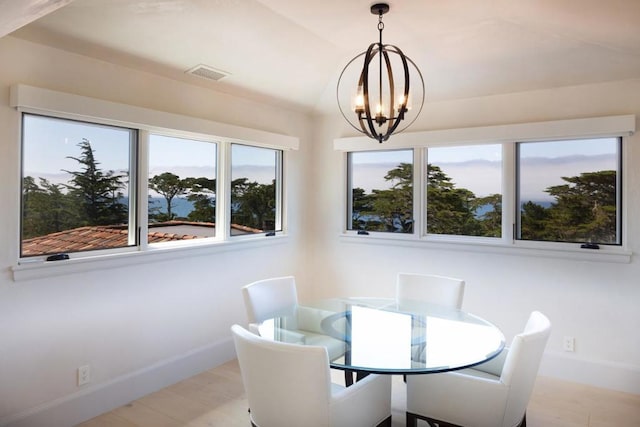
492,394
278,297
289,385
441,290
266,298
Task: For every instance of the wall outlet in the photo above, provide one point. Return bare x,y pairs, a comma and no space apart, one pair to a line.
84,375
569,344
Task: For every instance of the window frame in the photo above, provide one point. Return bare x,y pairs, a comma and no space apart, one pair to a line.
143,221
279,193
424,206
415,193
620,215
132,188
508,136
59,105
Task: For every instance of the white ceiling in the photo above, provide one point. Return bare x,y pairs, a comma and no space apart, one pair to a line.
291,52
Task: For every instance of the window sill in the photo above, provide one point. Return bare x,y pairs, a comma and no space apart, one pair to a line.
493,246
28,270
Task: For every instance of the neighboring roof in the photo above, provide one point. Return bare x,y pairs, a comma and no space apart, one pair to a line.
114,236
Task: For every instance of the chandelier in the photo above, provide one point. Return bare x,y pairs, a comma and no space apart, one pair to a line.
377,99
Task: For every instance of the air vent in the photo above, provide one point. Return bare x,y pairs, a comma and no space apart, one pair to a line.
206,72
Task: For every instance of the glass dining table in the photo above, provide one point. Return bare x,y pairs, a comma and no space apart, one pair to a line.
386,336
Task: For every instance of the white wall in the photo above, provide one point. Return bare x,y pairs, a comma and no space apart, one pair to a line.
597,303
139,327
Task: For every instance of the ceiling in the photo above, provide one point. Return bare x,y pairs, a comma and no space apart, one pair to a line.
290,52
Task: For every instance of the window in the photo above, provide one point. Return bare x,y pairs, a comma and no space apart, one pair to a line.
77,189
100,178
381,191
182,189
517,187
255,190
80,194
464,195
569,191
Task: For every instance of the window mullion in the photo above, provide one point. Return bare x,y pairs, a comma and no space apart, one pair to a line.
279,188
509,196
349,211
621,203
419,192
142,205
223,201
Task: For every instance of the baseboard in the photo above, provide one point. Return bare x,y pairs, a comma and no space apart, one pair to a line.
92,401
598,373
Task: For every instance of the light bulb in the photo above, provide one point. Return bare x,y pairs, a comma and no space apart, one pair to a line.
401,100
357,103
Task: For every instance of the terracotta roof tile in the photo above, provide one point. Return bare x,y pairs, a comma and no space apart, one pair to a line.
108,237
90,238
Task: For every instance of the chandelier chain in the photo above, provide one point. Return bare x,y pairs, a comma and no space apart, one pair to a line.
380,49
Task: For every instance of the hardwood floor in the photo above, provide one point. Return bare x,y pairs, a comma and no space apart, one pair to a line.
216,398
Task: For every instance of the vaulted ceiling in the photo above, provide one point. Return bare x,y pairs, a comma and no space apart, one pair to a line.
291,52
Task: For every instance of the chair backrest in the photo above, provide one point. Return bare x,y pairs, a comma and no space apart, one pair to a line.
264,298
446,291
521,365
286,384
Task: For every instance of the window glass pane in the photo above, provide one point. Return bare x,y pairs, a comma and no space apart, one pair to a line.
182,189
255,183
568,191
381,193
464,190
75,186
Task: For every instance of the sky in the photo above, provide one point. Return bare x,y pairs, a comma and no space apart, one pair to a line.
50,142
478,167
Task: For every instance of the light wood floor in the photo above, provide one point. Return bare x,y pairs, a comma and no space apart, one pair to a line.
216,398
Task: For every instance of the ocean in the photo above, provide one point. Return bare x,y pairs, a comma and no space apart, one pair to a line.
181,207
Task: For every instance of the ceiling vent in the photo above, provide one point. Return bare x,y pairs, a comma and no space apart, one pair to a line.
206,72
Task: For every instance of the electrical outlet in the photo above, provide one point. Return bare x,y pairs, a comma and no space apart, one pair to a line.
569,344
84,375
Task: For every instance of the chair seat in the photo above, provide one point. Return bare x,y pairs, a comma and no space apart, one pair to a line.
478,374
335,348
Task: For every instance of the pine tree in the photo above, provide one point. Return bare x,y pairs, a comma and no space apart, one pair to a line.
202,194
450,210
253,204
394,206
170,186
97,193
584,210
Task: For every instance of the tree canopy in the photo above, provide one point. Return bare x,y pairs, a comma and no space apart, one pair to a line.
583,210
450,210
92,197
253,204
584,207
